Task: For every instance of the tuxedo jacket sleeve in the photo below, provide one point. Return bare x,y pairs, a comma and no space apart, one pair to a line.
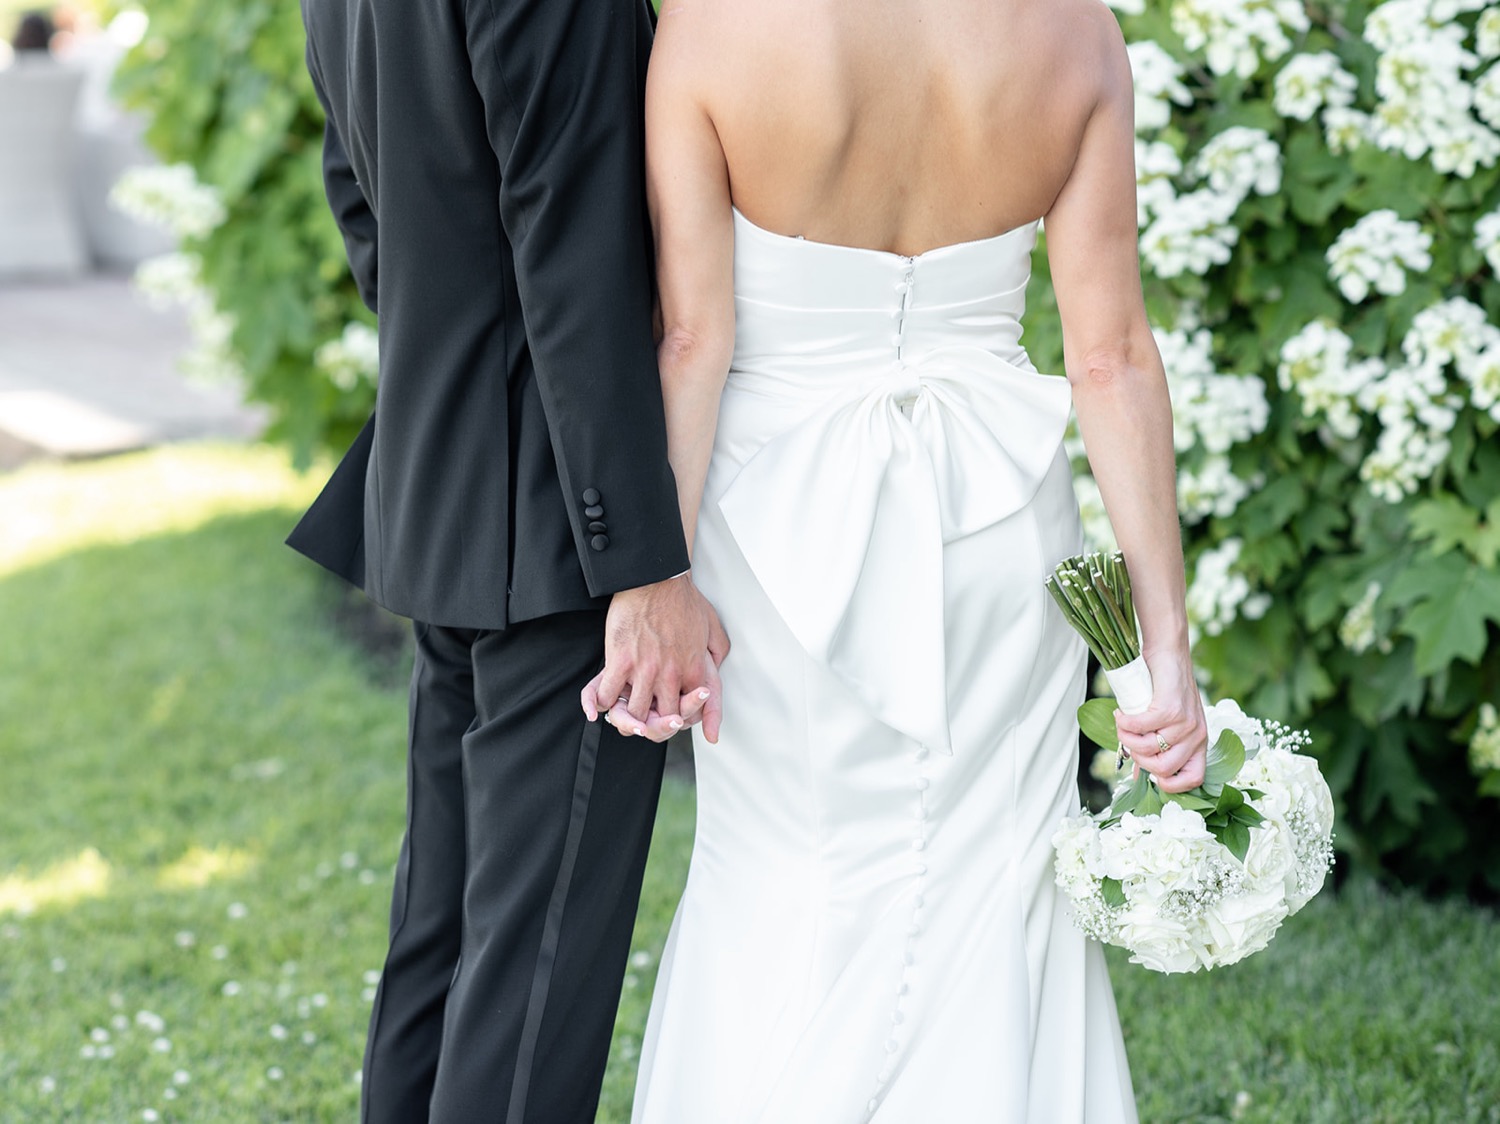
351,210
554,78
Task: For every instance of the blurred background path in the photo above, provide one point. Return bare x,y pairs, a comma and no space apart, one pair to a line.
88,368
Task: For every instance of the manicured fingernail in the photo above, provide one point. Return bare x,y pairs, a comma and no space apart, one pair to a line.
675,724
641,731
703,695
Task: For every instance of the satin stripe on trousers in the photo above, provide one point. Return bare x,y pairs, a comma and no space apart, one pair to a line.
517,884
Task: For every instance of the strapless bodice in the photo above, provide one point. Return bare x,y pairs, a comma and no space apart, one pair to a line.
840,307
877,408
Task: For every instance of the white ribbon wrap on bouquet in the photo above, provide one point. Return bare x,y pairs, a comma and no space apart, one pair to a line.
1131,685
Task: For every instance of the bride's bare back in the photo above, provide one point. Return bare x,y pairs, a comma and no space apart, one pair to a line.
893,124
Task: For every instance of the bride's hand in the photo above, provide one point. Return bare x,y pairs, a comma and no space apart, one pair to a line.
1174,717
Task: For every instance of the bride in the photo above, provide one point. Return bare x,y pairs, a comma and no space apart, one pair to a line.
846,194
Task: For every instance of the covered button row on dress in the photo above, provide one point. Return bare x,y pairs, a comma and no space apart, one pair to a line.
913,928
903,289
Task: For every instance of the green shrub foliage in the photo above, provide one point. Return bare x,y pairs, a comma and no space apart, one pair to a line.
1319,231
228,94
1318,203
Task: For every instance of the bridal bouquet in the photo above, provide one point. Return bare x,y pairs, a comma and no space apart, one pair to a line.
1195,879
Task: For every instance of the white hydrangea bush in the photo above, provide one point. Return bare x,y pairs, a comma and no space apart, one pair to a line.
1319,208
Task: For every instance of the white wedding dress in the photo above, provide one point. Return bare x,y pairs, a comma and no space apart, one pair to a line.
870,930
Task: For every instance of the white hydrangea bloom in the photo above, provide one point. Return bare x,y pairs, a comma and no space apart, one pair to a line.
352,358
1345,129
1425,97
1316,364
1191,234
1403,457
1156,162
1451,331
1217,594
175,279
171,197
1376,251
1482,374
1487,34
1484,746
1487,96
1487,239
1237,35
1240,160
1309,82
1357,629
1211,489
1158,83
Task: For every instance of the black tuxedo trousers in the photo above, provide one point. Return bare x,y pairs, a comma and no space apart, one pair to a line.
517,884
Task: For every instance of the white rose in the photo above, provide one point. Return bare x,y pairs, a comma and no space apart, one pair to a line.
1227,715
1270,864
1159,943
1243,924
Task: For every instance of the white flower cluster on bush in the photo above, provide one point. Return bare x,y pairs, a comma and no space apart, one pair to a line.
1375,252
1308,83
1218,594
175,279
1357,629
1189,903
1484,746
1237,35
1315,363
1426,86
171,197
351,359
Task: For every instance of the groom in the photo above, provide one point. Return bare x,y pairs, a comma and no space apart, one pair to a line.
512,495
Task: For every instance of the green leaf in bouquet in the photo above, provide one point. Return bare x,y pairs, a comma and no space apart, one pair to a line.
1113,892
1192,801
1129,798
1097,720
1226,757
1236,836
1230,800
1247,815
1151,803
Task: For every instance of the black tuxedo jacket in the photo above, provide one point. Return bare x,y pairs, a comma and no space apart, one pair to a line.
484,161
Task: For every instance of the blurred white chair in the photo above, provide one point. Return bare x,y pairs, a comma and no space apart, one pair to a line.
41,233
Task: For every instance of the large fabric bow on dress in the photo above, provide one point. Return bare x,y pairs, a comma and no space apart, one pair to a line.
933,450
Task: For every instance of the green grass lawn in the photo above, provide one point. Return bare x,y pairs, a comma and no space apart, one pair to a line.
202,786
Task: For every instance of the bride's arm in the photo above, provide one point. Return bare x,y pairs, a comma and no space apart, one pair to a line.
687,188
1124,413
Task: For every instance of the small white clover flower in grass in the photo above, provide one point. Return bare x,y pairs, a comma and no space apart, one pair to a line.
309,1038
150,1020
231,988
348,860
47,1086
99,1034
1309,82
1240,160
275,1073
119,1023
1375,252
161,1045
181,1077
184,939
171,197
1357,629
1158,84
1238,35
1484,746
237,911
278,1031
1156,162
58,964
1191,234
149,1115
641,958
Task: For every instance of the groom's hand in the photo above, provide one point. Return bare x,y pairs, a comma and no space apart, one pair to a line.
662,647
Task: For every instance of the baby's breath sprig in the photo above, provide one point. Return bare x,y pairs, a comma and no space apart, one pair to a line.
1093,592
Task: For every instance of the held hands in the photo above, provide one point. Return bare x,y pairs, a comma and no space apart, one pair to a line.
1175,718
662,648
